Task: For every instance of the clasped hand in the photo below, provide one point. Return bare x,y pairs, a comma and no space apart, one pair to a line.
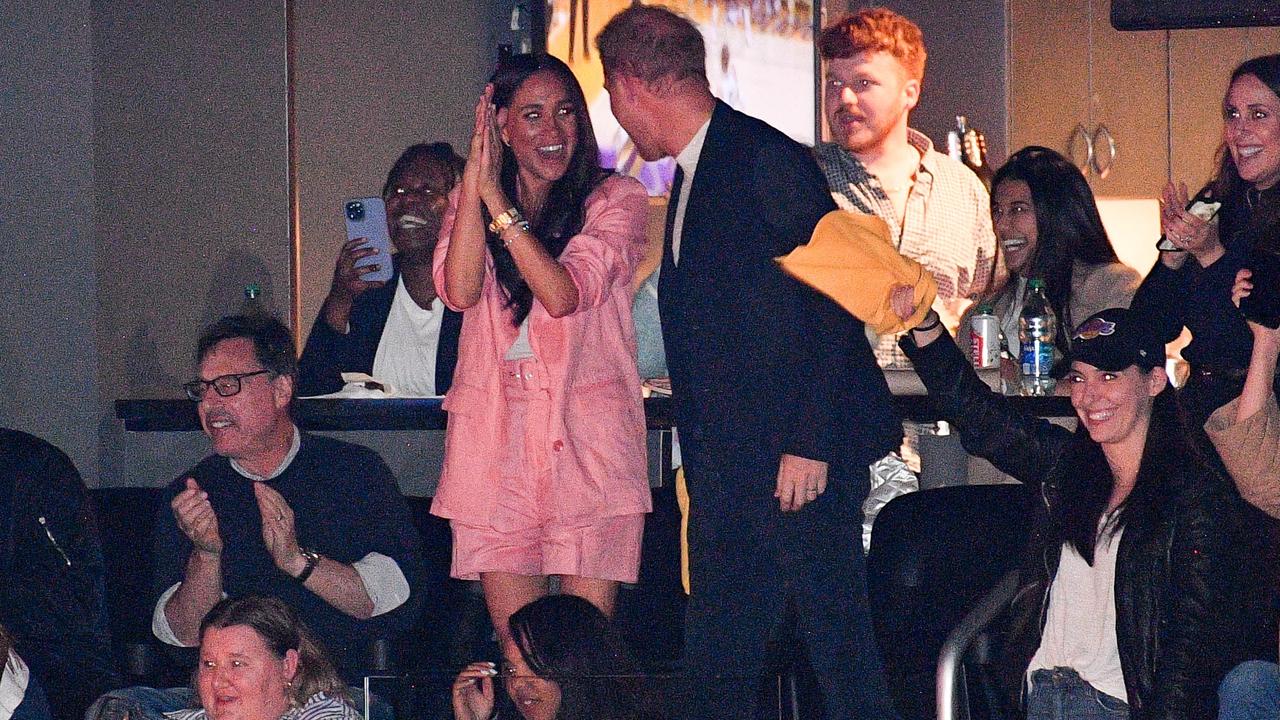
197,520
1186,231
481,178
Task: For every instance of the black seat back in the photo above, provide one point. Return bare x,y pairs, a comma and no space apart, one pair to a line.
934,553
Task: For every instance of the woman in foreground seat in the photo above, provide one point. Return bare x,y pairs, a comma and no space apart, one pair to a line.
259,662
1128,598
567,663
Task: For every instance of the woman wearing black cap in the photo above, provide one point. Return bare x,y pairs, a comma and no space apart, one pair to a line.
1127,602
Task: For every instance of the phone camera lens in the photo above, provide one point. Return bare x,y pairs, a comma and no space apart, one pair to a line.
355,210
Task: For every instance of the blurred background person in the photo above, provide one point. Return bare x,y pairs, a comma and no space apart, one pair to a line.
1246,433
20,695
1191,286
52,589
567,663
399,331
1046,221
545,469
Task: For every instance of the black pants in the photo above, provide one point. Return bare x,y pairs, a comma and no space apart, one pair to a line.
756,571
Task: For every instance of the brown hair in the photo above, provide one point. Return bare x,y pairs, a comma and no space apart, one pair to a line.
1266,68
653,44
281,630
876,29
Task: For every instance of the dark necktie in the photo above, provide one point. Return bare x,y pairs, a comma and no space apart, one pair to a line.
673,202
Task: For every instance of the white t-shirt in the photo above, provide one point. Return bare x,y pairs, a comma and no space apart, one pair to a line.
13,685
1080,628
520,347
406,357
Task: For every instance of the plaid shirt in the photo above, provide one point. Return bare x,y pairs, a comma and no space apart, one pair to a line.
947,226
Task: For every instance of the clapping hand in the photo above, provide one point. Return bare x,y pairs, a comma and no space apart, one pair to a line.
278,532
196,518
1184,229
481,178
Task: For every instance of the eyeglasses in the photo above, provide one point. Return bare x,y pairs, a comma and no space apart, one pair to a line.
224,385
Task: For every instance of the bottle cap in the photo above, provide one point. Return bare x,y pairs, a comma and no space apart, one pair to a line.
1036,283
985,309
252,291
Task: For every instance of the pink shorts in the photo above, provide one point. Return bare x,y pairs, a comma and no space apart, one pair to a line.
608,549
523,535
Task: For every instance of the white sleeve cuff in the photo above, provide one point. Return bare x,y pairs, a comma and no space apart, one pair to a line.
13,685
383,582
160,622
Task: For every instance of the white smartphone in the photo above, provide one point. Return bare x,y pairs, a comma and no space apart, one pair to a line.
367,218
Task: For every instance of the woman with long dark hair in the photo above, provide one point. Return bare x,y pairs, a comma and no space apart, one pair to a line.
1047,222
567,663
1134,595
1191,284
544,471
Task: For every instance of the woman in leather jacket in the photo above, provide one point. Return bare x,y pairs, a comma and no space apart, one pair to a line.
1128,602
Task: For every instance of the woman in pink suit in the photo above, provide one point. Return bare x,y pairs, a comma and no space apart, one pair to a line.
544,471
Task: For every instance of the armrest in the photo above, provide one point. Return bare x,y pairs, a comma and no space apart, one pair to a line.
960,639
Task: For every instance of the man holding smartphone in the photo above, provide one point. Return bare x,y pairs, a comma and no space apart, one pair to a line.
398,331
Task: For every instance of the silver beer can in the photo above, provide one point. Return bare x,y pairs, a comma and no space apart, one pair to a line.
984,340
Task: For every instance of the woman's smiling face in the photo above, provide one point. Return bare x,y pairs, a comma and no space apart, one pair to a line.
536,698
1251,130
1013,216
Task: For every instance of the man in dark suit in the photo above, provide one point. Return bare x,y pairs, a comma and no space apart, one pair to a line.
778,400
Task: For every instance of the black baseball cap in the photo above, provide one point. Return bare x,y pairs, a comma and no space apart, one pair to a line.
1114,339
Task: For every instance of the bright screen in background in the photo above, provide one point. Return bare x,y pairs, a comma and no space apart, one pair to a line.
759,60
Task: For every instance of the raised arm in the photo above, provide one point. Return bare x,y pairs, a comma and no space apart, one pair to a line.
1017,442
182,607
461,275
1246,431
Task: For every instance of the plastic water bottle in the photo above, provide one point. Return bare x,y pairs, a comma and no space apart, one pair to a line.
1037,328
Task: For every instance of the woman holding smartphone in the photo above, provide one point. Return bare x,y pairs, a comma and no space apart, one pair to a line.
545,470
1191,285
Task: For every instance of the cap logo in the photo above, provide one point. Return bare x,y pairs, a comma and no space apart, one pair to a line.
1093,328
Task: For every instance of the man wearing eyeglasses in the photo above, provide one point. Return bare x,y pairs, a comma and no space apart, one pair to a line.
316,522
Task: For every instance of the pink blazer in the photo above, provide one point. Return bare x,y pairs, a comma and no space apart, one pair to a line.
596,438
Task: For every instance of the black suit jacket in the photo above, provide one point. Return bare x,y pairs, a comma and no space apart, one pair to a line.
760,364
329,353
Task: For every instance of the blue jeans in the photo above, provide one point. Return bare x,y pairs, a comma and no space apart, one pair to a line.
1251,691
141,703
1061,694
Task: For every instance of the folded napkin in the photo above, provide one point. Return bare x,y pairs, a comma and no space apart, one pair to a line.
851,259
360,386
